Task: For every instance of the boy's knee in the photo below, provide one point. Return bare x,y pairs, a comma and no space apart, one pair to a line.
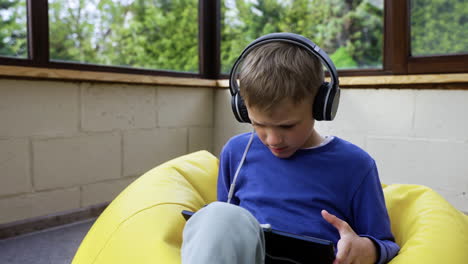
224,216
222,210
219,231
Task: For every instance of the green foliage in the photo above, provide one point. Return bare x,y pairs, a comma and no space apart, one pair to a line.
163,34
354,26
13,41
71,32
154,34
342,59
439,27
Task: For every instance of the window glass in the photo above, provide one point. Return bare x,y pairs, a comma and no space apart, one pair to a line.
13,28
439,27
351,32
151,34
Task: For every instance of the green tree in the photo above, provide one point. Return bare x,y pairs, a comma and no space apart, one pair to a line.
355,26
13,31
155,34
163,34
365,34
71,32
439,27
159,35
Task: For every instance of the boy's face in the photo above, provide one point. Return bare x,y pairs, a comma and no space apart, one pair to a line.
286,128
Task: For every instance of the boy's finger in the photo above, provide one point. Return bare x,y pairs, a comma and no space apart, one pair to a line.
339,224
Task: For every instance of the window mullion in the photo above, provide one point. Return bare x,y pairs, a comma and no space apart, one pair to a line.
396,36
209,38
38,32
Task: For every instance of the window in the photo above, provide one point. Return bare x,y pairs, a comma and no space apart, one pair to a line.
202,38
160,35
439,27
351,32
414,40
13,29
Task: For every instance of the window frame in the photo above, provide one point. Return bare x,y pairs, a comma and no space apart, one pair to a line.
397,59
397,46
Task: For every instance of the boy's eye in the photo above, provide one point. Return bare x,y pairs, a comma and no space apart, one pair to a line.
286,126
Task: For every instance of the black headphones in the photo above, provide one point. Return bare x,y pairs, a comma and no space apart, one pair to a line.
328,96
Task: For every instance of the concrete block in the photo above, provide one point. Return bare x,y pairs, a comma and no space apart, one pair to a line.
38,204
200,139
325,128
66,162
226,125
96,193
38,108
107,107
439,164
442,114
375,112
145,149
182,107
14,166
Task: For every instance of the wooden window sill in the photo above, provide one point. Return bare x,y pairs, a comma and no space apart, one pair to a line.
92,76
426,81
420,81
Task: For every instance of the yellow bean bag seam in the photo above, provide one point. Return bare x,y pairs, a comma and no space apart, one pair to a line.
189,182
133,215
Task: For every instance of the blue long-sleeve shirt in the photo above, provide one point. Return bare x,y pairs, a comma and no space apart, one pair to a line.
290,193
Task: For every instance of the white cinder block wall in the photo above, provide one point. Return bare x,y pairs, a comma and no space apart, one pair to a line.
415,136
66,145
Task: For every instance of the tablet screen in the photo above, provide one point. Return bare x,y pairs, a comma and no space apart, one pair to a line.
283,247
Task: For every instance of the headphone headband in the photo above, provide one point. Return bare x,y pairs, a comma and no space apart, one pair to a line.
290,38
327,98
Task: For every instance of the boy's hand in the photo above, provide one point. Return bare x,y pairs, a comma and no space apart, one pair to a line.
352,249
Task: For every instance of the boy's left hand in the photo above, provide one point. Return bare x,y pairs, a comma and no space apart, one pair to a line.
352,249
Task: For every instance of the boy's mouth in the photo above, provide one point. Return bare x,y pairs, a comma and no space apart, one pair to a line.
278,150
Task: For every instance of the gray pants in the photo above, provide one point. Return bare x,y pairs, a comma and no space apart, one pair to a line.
223,233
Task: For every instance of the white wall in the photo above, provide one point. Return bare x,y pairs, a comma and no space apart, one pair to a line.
66,145
416,136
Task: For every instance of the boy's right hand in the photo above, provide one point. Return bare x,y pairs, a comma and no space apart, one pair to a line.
351,247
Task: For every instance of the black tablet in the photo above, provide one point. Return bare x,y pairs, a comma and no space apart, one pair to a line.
187,214
283,247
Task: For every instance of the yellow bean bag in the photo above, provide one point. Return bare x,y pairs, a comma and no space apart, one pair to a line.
144,225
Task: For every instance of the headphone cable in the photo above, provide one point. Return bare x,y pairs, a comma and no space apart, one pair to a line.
233,184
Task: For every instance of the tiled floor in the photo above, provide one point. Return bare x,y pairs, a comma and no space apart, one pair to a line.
52,246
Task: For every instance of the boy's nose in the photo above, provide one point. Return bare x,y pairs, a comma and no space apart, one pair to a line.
273,139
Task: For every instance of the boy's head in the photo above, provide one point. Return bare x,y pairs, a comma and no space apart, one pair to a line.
278,82
278,71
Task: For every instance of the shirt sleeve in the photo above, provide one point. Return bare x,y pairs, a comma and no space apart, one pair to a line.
371,217
223,177
386,249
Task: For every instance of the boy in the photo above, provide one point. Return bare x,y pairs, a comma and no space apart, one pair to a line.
293,178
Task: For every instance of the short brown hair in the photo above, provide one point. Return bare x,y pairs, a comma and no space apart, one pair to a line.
276,71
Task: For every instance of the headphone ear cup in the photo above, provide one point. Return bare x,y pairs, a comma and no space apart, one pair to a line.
333,102
326,102
319,102
239,109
